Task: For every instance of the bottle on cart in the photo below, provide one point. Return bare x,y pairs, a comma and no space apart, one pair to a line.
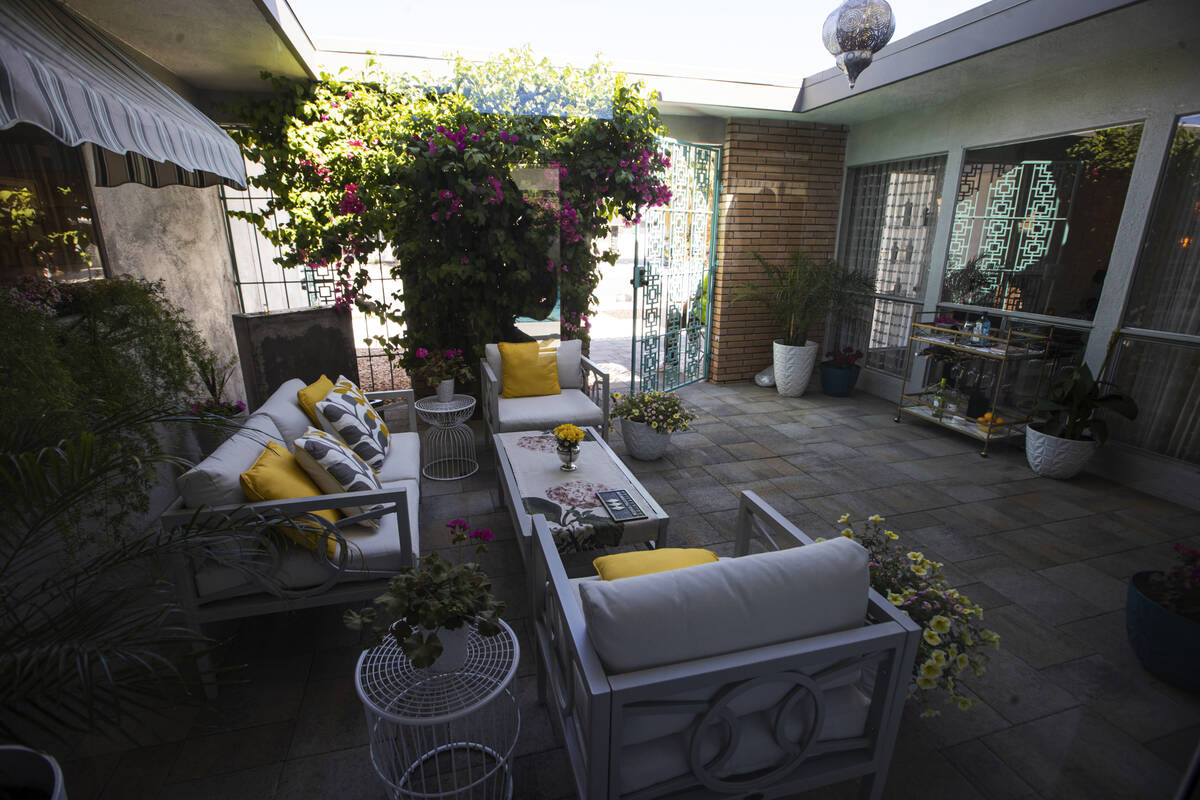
939,400
985,328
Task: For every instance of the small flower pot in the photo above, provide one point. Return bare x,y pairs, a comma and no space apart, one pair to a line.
454,647
643,442
839,381
445,390
1167,644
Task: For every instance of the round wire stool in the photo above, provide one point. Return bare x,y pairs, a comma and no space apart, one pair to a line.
443,735
448,446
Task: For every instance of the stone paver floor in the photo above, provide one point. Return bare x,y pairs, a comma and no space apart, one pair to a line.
1066,711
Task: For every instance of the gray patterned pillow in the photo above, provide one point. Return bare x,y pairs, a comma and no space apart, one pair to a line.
335,468
346,414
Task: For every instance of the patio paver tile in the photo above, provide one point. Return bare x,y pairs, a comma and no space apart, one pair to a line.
1037,644
993,778
344,774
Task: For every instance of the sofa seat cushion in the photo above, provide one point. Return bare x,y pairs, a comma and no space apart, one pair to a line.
544,413
216,481
375,548
403,460
727,606
283,407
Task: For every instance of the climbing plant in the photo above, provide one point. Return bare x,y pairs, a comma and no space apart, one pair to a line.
492,189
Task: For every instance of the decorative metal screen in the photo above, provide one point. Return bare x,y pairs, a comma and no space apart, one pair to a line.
887,231
263,285
1009,222
673,274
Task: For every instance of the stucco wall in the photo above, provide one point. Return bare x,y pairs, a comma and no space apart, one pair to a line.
176,234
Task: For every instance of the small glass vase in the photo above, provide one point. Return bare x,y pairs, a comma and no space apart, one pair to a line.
568,454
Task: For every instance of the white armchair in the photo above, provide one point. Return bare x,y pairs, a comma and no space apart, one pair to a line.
756,676
584,399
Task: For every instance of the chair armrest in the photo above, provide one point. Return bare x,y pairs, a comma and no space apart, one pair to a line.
398,394
756,518
489,396
596,387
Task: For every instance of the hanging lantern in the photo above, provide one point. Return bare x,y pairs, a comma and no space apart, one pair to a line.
857,30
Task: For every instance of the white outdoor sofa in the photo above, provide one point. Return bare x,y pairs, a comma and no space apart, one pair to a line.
757,676
584,399
262,574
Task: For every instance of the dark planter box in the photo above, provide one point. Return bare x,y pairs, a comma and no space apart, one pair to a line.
1167,644
839,382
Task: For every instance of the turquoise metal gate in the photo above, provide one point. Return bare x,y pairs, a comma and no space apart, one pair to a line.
674,259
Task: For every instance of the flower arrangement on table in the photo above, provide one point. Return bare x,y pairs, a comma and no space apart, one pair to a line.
662,411
435,366
842,359
568,436
432,596
952,632
1178,589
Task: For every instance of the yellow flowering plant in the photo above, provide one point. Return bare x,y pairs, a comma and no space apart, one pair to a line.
568,435
662,411
952,632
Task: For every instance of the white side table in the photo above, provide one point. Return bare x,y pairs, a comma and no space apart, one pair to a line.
446,734
448,447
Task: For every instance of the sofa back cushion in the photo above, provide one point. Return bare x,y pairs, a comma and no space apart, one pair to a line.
283,407
728,606
568,354
214,481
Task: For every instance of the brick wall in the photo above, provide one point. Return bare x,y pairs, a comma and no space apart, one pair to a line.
781,186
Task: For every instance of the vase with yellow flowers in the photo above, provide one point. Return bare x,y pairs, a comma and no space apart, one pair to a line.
568,437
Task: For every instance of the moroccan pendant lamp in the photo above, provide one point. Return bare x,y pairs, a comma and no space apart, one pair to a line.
856,31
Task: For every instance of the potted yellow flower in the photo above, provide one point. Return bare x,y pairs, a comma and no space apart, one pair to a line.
568,437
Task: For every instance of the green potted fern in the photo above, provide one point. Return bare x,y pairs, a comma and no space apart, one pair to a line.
799,294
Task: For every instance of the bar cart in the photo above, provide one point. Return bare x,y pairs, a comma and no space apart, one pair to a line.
1000,403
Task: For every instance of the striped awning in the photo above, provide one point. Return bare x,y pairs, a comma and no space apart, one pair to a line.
59,74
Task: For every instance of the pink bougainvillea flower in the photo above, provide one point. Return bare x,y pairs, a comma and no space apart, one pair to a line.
423,353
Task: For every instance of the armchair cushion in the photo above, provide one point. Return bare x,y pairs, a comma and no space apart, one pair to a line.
215,481
310,395
276,475
284,410
346,413
727,606
527,371
645,562
544,413
335,468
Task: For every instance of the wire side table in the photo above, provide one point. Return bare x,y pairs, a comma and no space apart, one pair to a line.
443,734
448,446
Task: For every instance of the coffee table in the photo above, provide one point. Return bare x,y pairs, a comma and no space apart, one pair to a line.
532,483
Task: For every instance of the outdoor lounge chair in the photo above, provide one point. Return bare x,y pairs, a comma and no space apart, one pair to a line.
688,683
584,399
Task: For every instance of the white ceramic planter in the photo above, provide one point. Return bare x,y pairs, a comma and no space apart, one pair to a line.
22,768
794,367
643,442
454,649
1054,457
445,390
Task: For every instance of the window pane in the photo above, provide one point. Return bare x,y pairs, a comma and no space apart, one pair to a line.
1034,222
1164,380
890,220
1166,288
46,225
881,332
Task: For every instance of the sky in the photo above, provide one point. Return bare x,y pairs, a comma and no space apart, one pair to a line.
769,40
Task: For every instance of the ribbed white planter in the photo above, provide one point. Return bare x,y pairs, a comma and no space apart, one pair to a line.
22,768
794,367
643,442
454,647
1054,457
445,390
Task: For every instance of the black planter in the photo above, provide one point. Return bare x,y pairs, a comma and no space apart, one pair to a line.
1167,644
838,382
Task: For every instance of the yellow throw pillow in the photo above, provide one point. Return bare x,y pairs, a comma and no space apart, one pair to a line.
527,371
312,394
276,475
644,562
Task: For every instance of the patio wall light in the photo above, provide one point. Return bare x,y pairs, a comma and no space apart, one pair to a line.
857,30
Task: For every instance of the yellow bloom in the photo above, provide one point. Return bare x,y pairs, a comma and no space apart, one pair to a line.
940,624
849,534
918,570
932,637
568,433
961,661
895,599
930,669
875,518
926,683
965,703
929,712
938,657
818,539
913,556
891,534
843,519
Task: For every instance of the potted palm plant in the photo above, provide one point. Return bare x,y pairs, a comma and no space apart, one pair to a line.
799,294
1060,446
429,609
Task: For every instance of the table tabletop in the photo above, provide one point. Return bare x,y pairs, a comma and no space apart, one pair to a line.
435,412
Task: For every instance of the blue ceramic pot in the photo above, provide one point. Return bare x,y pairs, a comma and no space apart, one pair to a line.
837,382
1167,644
